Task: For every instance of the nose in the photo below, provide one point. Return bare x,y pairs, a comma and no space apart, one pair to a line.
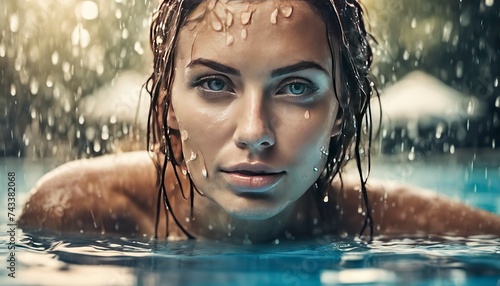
254,131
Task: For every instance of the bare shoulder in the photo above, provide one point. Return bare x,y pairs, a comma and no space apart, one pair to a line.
402,209
111,193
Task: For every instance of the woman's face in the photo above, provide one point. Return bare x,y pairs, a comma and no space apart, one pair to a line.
253,98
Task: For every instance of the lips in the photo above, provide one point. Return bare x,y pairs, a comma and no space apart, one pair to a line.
252,177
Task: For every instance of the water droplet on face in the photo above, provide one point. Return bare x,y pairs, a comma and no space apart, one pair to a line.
229,19
184,135
192,158
229,39
307,115
324,151
215,22
204,172
274,16
244,33
287,11
246,17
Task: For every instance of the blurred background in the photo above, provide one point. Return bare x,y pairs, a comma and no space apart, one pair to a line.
71,73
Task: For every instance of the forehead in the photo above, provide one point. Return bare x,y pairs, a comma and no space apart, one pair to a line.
274,32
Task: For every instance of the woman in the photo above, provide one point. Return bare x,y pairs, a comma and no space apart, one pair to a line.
256,107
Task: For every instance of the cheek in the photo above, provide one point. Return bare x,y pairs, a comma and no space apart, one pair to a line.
304,131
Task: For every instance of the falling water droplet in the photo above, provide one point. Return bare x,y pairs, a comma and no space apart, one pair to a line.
184,135
287,10
497,102
307,115
13,90
244,33
274,16
325,199
210,227
315,169
245,17
277,241
229,39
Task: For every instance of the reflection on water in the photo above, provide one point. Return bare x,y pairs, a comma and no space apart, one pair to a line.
421,261
81,260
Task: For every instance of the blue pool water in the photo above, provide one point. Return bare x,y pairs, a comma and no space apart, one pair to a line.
80,260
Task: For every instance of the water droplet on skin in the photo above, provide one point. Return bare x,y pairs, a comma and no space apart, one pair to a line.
324,151
229,39
204,172
192,158
184,135
244,33
184,172
307,115
215,22
287,11
229,19
187,219
246,17
274,16
211,4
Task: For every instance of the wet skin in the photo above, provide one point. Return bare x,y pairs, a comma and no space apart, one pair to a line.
264,108
254,114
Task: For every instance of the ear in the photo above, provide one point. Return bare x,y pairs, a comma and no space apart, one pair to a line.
337,125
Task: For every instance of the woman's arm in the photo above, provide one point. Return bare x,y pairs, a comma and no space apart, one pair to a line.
399,209
109,194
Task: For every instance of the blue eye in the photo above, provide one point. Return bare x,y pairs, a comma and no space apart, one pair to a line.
298,88
215,84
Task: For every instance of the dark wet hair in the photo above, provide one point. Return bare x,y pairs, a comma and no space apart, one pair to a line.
352,57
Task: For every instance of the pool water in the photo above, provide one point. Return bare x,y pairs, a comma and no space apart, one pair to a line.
82,260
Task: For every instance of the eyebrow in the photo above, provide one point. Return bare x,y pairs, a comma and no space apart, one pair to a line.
215,66
303,65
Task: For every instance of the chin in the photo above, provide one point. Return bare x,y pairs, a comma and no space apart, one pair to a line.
254,211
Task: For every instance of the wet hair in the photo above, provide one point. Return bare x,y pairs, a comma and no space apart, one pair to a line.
349,43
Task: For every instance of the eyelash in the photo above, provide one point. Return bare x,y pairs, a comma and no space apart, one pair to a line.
202,84
308,85
207,92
